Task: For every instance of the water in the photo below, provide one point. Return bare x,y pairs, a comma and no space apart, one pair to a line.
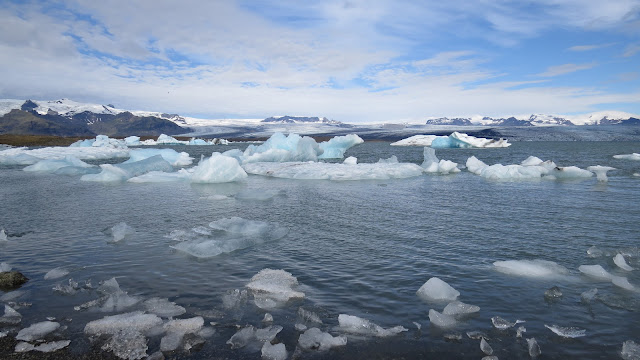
360,248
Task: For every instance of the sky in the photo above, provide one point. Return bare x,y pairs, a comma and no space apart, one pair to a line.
352,61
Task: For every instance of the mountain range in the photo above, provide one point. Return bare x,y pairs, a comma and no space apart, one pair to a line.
597,118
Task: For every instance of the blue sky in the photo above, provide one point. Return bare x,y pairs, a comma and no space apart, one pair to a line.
353,61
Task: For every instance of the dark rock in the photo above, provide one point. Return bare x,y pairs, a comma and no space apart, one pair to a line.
11,280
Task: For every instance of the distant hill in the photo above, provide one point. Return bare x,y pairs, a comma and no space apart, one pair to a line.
68,118
597,118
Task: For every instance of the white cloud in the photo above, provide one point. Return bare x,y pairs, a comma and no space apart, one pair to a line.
557,70
589,47
631,50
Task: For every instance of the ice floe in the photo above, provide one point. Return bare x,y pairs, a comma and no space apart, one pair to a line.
503,324
531,268
531,168
441,320
272,288
10,316
173,157
123,171
356,325
567,332
332,171
56,273
250,334
133,321
432,165
218,169
595,271
316,339
621,262
634,156
436,289
37,331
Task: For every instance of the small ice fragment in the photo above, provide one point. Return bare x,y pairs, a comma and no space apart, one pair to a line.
267,318
275,285
601,171
502,324
418,325
3,334
534,348
269,333
594,252
531,268
3,235
24,347
453,336
171,341
356,325
458,308
4,267
351,160
10,316
622,263
300,327
37,331
437,290
206,332
163,307
56,273
567,332
184,326
120,231
273,352
622,282
441,320
553,293
127,344
596,272
52,346
242,337
630,350
520,330
485,347
315,339
134,321
490,357
234,298
588,296
476,335
309,316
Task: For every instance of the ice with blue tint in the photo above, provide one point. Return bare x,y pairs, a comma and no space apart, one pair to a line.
124,171
25,156
163,177
132,141
464,141
336,146
173,157
432,165
332,171
281,148
218,169
100,141
164,139
51,166
531,168
7,158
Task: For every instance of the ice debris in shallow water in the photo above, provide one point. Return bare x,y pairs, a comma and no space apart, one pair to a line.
441,320
272,288
45,347
273,352
268,318
308,316
502,324
432,165
177,329
476,335
250,334
520,330
594,252
630,350
459,309
437,290
601,172
531,268
163,307
10,316
4,267
56,273
133,321
485,347
120,231
127,344
622,263
567,332
553,293
534,348
37,331
356,325
596,272
315,339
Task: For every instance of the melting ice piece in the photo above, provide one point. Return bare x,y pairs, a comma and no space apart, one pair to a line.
485,347
594,252
476,335
237,225
596,272
4,267
120,231
418,325
124,171
177,329
127,344
249,334
441,320
273,352
51,165
56,273
163,307
336,172
416,140
277,286
268,318
10,316
309,316
534,348
234,298
173,157
281,148
351,160
218,169
531,161
634,156
432,165
336,146
458,309
531,268
475,166
630,349
588,296
622,282
356,325
315,339
553,293
437,290
567,332
462,140
490,357
134,321
37,331
3,236
520,330
502,324
621,262
601,171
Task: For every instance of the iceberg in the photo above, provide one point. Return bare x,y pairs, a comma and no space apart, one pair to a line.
415,140
464,141
601,171
336,146
634,156
281,148
432,165
336,172
173,157
24,156
437,290
124,171
218,169
164,139
531,268
356,325
530,169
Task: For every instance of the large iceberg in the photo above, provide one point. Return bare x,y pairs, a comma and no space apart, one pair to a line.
416,140
455,140
124,171
282,148
218,169
530,169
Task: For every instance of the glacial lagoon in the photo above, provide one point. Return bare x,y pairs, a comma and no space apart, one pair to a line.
358,249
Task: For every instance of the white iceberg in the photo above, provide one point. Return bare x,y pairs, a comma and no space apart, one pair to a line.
336,146
315,339
432,165
601,171
272,288
173,157
441,320
336,172
531,168
163,307
218,169
415,140
435,289
122,172
621,262
356,325
634,156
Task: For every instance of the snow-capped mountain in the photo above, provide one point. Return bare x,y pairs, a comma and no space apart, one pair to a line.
596,118
299,120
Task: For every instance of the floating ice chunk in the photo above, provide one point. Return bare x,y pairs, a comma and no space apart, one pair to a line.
133,321
10,316
458,308
69,289
120,231
163,307
24,347
351,160
127,344
520,330
485,347
418,325
588,296
3,236
622,282
416,140
336,146
391,160
171,156
17,159
274,285
596,272
4,267
242,337
164,139
464,141
309,316
594,252
531,161
51,165
475,166
531,268
37,331
437,290
132,141
337,172
570,172
553,293
234,298
124,171
218,169
268,334
300,327
601,171
281,148
441,320
567,332
27,156
52,346
184,326
476,335
162,177
315,339
622,263
356,325
534,348
268,318
254,228
502,324
634,156
171,341
432,165
630,350
273,352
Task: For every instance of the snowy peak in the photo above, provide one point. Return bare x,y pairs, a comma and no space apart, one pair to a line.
596,118
604,118
300,120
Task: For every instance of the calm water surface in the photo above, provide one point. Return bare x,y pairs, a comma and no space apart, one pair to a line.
360,248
